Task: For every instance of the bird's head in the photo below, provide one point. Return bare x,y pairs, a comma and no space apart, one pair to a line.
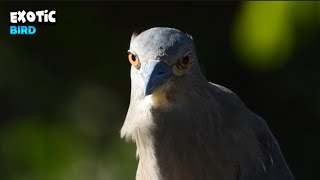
164,67
160,56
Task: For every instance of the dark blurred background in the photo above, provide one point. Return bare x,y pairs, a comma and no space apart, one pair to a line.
64,91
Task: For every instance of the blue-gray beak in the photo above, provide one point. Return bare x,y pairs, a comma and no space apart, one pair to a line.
154,73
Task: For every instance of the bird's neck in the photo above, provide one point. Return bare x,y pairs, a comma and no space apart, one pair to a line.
139,126
142,121
148,167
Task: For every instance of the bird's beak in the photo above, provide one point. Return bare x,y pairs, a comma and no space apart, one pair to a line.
154,73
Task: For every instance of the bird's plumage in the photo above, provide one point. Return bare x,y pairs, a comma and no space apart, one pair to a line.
191,129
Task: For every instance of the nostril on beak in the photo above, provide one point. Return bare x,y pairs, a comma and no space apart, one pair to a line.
160,73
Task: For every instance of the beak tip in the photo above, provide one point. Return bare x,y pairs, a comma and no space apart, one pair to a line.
147,92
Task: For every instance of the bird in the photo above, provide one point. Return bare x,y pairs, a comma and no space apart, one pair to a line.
186,127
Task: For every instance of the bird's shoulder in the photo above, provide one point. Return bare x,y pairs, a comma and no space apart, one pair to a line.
272,162
225,93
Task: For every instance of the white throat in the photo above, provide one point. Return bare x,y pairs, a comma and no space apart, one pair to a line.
138,127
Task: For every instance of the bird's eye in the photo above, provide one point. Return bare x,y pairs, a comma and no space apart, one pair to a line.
185,61
134,60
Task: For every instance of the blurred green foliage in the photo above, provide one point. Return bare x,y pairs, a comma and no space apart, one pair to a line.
265,32
36,151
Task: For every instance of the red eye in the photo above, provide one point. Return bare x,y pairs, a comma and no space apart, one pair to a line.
185,61
134,60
